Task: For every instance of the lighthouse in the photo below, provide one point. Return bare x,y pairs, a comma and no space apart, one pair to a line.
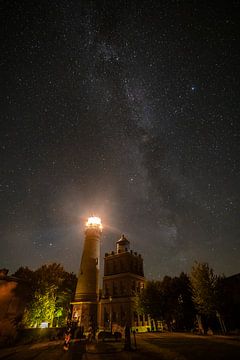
85,304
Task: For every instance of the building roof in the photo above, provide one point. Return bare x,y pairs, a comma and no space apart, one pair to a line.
123,240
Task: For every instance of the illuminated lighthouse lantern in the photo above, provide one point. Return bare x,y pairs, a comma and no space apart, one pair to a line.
87,292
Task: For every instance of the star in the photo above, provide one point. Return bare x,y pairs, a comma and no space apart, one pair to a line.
125,114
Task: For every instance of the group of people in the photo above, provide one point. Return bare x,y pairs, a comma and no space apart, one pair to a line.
74,332
67,338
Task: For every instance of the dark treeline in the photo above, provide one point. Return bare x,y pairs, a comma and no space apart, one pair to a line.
199,302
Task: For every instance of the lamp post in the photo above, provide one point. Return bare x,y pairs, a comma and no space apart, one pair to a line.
110,316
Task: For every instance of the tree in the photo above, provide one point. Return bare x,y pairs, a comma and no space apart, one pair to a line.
168,300
65,295
51,291
204,289
24,273
176,302
186,309
27,277
40,309
148,301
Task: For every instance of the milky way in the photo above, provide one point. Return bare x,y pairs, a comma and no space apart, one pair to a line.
128,111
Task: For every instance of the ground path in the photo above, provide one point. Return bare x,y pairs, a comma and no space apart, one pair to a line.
162,346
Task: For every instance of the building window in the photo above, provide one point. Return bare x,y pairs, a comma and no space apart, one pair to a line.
136,267
131,266
114,289
114,316
122,314
106,293
133,286
138,287
105,314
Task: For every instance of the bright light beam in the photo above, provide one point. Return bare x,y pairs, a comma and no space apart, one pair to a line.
94,221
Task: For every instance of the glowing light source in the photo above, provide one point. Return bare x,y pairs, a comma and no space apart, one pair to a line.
44,325
94,221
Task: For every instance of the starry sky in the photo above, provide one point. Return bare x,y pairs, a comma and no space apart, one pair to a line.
127,110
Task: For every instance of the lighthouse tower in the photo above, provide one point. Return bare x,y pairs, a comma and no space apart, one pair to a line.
85,304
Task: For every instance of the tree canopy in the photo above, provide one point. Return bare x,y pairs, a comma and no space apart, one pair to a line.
208,296
203,283
169,300
51,290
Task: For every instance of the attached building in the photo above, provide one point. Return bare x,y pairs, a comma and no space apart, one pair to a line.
123,279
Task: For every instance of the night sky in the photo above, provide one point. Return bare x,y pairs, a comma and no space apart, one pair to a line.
127,110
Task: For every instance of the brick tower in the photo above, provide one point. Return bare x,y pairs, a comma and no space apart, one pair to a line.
123,279
85,304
